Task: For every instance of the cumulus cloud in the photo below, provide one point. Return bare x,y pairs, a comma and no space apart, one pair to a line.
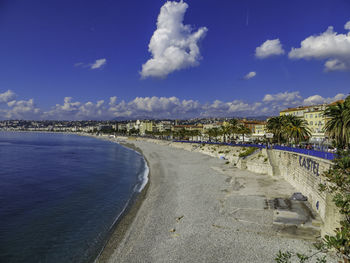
99,63
77,110
21,109
285,97
269,48
159,107
7,96
317,99
329,46
250,75
173,46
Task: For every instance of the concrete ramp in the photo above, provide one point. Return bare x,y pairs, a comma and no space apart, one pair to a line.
294,218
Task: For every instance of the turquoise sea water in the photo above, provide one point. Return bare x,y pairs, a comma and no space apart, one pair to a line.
61,194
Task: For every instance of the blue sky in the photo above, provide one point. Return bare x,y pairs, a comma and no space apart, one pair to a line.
61,59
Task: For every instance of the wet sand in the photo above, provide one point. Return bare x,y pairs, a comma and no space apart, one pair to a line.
197,208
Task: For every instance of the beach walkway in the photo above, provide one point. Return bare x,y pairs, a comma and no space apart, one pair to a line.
200,209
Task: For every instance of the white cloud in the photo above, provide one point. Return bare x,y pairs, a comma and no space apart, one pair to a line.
269,48
317,99
112,100
250,75
286,97
329,46
99,63
173,107
173,45
159,107
347,25
7,96
21,109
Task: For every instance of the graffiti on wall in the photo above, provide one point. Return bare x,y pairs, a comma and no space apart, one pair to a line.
309,164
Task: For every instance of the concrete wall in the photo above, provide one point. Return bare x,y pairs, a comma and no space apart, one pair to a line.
258,162
305,174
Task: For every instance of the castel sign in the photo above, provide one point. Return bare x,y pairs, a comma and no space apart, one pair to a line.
309,165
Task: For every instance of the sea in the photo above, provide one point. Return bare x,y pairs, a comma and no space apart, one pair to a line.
62,194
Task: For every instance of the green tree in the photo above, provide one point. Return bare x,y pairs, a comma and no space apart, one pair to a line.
338,122
275,125
295,128
243,130
134,131
288,128
213,133
225,130
234,126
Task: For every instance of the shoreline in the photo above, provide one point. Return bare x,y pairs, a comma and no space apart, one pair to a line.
125,219
185,214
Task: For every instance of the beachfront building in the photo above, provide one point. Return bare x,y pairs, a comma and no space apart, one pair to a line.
208,126
316,122
314,116
198,127
259,130
163,126
121,127
146,127
133,125
298,111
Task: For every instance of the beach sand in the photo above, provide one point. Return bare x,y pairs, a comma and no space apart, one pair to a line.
197,208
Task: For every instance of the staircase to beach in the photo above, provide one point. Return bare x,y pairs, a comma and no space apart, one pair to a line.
274,163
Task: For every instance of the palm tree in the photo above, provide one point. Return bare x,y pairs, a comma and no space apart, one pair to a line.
213,132
234,126
276,126
225,130
338,123
193,133
241,129
296,128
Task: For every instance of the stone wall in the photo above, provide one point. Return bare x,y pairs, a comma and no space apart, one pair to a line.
305,174
258,163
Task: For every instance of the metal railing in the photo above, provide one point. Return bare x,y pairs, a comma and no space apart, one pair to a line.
224,143
319,154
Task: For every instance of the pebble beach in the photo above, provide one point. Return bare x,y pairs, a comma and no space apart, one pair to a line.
198,208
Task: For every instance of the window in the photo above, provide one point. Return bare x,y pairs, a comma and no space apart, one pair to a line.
311,123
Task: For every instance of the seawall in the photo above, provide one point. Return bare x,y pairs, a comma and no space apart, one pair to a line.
304,172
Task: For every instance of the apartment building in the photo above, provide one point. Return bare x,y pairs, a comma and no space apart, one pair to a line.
314,116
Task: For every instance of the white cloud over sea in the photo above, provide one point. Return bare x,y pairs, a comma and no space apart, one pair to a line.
153,107
174,46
